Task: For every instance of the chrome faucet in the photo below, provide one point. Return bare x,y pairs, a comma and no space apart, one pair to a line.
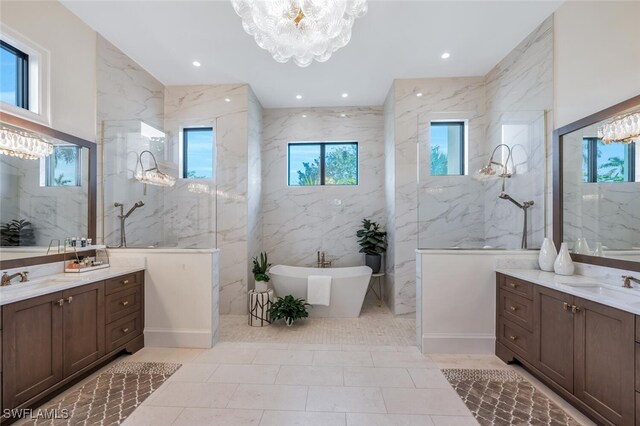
627,281
322,263
123,217
6,278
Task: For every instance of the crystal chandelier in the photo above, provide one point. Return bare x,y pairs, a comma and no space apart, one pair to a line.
300,29
625,129
22,144
153,175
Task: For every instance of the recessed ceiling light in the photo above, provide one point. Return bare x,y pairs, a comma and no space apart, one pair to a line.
343,115
304,115
196,63
419,94
344,95
227,99
445,55
298,96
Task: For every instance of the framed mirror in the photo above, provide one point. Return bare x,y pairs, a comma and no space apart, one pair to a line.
47,196
596,187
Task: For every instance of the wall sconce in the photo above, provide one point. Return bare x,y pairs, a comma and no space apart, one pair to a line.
23,144
153,175
488,171
622,129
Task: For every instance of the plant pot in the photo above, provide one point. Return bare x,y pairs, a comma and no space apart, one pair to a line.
288,321
261,286
373,261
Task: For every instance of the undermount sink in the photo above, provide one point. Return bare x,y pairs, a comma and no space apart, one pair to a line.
622,294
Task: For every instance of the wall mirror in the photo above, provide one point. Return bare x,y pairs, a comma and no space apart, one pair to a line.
597,187
48,191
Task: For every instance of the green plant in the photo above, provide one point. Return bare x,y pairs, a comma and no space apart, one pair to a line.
372,239
288,308
17,233
260,267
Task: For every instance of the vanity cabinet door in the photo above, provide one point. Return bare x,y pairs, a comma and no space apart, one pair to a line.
604,357
84,326
32,347
554,335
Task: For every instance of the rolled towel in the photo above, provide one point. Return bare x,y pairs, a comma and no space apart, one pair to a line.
319,289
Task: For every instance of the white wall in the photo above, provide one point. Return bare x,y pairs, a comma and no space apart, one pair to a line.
597,57
72,47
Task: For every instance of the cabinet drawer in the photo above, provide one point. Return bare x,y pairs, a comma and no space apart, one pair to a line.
516,338
123,282
638,369
637,328
121,331
521,288
516,309
123,303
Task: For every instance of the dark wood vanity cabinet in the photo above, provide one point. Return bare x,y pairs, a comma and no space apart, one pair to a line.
49,341
583,350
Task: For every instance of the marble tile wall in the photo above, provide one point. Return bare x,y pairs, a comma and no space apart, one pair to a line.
389,193
254,186
299,221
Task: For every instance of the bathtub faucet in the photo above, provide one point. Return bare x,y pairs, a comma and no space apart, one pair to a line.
322,263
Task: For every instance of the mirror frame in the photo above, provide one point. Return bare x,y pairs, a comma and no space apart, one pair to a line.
557,183
92,189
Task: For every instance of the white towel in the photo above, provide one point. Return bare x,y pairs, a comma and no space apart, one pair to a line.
319,289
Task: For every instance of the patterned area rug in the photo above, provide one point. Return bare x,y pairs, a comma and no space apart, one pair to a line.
503,397
109,398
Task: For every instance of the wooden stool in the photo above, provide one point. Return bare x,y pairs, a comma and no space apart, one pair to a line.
259,304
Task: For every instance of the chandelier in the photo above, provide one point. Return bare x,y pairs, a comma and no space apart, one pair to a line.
300,29
23,144
625,129
153,175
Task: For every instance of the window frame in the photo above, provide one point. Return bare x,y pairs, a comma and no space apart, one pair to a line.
185,145
592,161
463,143
321,171
48,171
22,74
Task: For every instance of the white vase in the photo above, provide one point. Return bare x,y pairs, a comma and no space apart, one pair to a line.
261,286
547,256
582,247
598,251
563,264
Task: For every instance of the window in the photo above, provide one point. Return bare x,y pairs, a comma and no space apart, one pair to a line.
14,76
62,167
615,162
323,163
447,148
197,153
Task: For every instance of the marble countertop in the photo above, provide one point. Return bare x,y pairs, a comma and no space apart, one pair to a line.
590,288
18,291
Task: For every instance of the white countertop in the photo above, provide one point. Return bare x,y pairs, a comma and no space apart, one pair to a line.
18,291
590,288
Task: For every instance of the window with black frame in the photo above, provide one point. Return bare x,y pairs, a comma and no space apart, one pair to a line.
323,163
611,163
197,153
14,76
63,166
447,148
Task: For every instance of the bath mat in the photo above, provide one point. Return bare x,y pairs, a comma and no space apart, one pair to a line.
503,397
107,399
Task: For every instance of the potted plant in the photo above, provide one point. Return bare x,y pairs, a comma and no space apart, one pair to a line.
260,268
17,233
373,242
289,309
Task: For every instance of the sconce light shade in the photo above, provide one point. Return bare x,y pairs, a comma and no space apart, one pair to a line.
153,175
623,129
23,144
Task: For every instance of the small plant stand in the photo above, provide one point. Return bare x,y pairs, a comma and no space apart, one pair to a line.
376,279
259,304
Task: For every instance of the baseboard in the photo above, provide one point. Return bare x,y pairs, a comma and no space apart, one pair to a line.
458,343
181,338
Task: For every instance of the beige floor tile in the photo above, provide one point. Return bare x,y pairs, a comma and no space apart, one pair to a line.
241,373
153,416
284,357
453,421
343,359
428,378
468,361
269,397
310,375
218,416
252,345
402,359
380,377
190,394
345,399
360,419
369,348
148,354
314,347
301,418
227,356
193,373
424,401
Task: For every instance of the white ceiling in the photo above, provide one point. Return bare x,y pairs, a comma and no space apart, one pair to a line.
395,39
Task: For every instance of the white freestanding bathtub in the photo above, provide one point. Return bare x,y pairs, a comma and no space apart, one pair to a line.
348,288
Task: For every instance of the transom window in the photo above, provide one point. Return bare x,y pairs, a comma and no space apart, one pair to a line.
447,148
14,76
615,162
323,163
197,153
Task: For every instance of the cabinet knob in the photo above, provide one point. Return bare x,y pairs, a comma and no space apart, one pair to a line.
69,299
566,306
514,338
513,308
125,330
513,285
60,302
575,309
125,281
124,302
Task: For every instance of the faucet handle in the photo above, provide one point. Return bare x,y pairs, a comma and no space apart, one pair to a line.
24,276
